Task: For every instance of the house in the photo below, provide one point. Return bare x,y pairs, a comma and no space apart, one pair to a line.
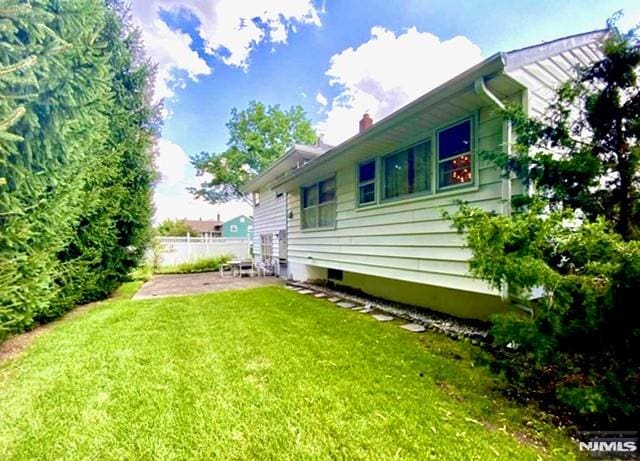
367,213
205,227
270,207
238,227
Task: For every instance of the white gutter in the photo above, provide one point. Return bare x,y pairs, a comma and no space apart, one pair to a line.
481,88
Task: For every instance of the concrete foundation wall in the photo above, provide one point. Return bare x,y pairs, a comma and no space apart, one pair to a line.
463,304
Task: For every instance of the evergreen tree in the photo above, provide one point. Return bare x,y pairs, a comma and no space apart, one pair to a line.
75,132
575,240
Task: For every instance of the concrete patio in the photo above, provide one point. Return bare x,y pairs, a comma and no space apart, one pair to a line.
187,284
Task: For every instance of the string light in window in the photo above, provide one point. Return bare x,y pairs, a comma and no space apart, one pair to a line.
461,172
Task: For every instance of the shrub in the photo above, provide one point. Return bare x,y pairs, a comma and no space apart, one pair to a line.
579,351
201,265
575,239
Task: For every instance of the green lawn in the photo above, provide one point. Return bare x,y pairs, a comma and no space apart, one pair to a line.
256,374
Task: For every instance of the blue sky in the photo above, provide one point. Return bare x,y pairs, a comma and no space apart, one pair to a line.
335,58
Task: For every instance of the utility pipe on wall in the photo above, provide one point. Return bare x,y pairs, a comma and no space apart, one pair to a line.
481,89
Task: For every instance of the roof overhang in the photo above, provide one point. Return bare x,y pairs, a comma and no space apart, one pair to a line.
455,98
523,56
292,158
395,130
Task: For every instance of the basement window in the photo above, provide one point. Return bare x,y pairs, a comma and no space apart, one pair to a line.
454,155
335,274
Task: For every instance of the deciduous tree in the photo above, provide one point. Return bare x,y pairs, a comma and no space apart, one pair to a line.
258,135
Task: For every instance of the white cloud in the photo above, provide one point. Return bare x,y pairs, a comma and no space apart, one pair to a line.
170,49
230,30
171,198
321,99
172,162
388,71
180,204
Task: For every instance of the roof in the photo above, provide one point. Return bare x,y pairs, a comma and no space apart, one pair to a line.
238,217
492,70
295,157
523,56
203,225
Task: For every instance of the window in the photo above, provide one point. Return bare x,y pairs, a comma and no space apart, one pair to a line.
266,247
454,155
407,171
319,204
233,228
335,274
367,182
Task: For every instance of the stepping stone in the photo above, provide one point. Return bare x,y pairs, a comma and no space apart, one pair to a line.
356,308
382,318
319,295
365,310
413,327
306,292
291,287
334,299
346,305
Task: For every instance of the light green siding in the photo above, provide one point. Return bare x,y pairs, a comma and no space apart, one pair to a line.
404,239
403,249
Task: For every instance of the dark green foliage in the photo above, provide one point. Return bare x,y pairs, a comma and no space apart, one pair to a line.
202,265
75,171
579,351
574,242
592,128
258,135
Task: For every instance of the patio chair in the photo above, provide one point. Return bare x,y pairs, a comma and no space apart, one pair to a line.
265,268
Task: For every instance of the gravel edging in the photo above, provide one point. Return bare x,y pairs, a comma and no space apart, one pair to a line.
451,326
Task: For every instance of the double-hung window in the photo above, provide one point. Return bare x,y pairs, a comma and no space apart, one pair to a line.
319,204
367,182
454,155
266,247
407,171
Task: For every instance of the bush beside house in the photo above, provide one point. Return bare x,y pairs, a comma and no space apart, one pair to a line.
575,240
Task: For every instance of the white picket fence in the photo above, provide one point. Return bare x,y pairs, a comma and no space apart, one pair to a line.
178,250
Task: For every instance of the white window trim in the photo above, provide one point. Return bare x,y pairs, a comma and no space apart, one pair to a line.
317,206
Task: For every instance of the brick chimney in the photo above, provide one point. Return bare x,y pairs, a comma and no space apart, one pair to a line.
365,123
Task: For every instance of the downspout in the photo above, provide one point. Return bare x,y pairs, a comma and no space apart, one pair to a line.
481,89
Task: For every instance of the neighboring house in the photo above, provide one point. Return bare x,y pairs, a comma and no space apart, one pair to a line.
206,228
270,207
238,227
368,213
